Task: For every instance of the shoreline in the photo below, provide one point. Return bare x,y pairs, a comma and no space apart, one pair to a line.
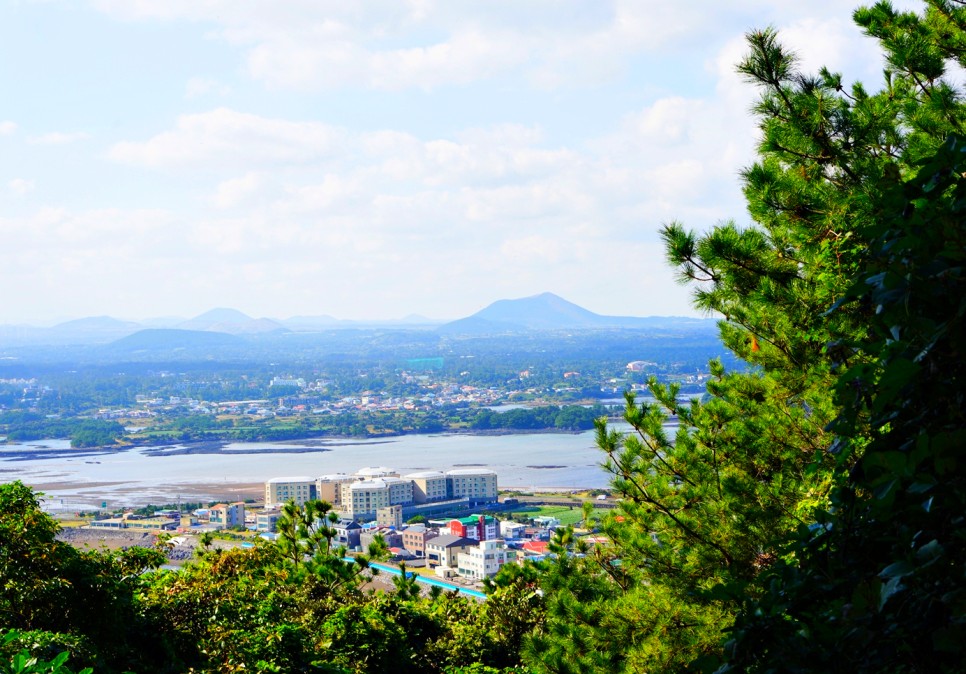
308,445
71,493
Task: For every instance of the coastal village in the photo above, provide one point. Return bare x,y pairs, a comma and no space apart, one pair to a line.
445,525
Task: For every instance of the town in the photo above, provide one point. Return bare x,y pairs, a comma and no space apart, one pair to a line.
453,524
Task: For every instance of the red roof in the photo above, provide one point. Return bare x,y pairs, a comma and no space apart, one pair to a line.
538,547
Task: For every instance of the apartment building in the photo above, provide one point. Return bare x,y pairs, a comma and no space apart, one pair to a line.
364,498
329,487
281,490
477,484
428,486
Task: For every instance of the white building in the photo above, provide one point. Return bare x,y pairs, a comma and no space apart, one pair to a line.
329,487
364,498
485,560
281,490
477,484
428,486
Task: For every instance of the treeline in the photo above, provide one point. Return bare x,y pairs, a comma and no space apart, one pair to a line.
26,426
292,606
565,418
374,423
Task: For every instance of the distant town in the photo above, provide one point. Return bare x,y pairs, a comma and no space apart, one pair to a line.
453,524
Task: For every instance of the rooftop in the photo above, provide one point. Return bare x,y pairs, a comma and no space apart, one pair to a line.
425,474
471,471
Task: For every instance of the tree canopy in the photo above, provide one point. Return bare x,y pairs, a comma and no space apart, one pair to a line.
808,513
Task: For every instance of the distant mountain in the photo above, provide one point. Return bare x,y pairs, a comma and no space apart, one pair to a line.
551,312
231,321
214,317
169,339
82,331
95,324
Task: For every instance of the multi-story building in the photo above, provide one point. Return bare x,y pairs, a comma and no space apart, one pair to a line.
364,498
227,516
477,527
477,484
442,551
390,516
415,537
329,487
484,560
428,486
267,520
361,495
281,490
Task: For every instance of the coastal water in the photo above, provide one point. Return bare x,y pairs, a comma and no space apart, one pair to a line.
80,478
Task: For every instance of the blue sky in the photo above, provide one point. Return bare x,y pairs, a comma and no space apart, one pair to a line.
373,159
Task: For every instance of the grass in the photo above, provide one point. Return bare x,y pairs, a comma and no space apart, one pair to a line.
565,514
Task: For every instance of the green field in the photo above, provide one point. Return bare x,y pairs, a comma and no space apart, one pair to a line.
566,514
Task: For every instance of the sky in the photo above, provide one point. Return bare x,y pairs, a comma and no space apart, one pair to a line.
374,159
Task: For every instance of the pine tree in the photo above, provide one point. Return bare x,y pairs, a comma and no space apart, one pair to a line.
716,521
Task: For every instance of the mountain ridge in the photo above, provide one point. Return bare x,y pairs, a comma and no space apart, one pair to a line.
548,311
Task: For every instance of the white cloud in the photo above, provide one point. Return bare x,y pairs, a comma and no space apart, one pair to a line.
58,138
425,44
7,128
200,86
231,193
227,137
311,216
20,186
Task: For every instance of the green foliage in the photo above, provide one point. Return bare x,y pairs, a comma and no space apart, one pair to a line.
19,427
49,588
23,658
811,508
299,605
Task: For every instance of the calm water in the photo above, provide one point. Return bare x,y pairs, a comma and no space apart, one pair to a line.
522,461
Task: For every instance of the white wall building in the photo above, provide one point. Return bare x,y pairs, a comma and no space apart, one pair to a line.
364,498
428,486
329,487
281,490
485,560
477,484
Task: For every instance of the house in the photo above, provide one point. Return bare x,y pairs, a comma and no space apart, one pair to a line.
267,520
392,538
415,537
390,516
485,560
227,516
477,527
512,530
536,547
443,550
347,533
546,522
